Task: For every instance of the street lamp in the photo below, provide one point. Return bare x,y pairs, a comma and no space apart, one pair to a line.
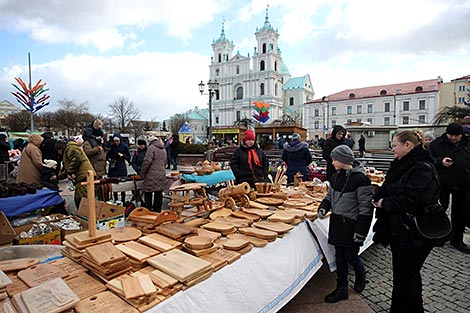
327,115
212,88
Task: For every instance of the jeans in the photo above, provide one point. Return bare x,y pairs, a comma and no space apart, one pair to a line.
345,255
407,294
174,162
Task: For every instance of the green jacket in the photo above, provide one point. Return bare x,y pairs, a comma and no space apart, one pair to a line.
75,162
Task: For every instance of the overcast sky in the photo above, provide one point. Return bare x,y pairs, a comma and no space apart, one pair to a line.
155,52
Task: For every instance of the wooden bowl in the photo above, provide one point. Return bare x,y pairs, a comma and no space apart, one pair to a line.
263,187
198,242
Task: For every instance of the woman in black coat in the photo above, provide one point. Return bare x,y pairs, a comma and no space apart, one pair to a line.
410,186
337,138
249,163
117,156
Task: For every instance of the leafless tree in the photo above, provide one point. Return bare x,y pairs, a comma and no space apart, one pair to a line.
73,117
123,111
452,114
18,122
176,121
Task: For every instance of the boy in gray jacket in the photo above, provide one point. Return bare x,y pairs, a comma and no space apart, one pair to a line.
349,197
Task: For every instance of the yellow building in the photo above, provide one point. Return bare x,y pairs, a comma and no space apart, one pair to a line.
454,92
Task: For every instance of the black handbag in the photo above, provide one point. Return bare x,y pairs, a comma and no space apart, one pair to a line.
434,225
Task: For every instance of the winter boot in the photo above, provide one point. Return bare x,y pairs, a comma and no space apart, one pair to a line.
339,294
360,282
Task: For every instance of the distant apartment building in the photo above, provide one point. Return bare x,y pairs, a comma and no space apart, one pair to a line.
455,92
6,108
400,105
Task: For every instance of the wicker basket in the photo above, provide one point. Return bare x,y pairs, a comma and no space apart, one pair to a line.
203,169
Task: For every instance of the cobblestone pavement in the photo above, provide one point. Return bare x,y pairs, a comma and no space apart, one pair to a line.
446,279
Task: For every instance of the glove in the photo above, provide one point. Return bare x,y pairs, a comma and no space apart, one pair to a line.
321,213
358,238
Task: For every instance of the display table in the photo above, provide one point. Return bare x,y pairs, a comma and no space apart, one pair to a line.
211,179
13,206
321,226
263,280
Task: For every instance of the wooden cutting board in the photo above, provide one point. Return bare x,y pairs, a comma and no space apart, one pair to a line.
263,213
160,242
83,285
179,264
259,233
71,239
245,215
198,242
17,264
159,278
207,233
175,230
4,280
282,216
122,234
200,252
68,266
235,244
51,297
222,228
277,227
104,302
138,286
196,222
17,286
217,262
246,249
227,255
41,273
257,242
256,205
220,212
19,303
270,201
137,251
105,254
237,222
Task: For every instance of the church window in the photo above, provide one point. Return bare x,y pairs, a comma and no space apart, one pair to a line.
220,58
275,89
238,69
261,89
275,65
291,101
264,48
217,72
261,66
239,93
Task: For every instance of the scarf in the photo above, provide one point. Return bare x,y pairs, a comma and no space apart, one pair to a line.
253,157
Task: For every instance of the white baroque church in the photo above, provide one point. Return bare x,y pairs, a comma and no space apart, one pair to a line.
263,77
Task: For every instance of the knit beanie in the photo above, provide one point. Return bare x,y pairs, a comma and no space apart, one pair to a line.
249,135
429,134
454,129
343,154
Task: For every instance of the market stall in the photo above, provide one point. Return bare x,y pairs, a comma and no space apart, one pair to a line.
13,206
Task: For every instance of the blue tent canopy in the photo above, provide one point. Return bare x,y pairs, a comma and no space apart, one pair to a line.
185,129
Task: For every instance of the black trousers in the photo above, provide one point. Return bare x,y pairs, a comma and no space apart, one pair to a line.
459,210
343,256
156,204
407,294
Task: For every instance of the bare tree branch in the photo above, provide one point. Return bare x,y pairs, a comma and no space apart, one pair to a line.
123,111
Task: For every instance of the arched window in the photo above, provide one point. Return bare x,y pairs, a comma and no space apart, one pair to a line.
352,96
261,89
238,69
261,66
275,65
264,48
239,93
419,88
275,89
383,92
220,58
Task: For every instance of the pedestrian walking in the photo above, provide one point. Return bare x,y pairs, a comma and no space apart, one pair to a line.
174,151
337,138
297,156
410,186
362,145
30,166
349,198
451,153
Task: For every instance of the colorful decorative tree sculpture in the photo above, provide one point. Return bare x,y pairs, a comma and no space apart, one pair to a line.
262,110
32,99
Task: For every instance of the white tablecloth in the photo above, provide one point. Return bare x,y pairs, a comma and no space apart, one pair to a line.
321,226
263,280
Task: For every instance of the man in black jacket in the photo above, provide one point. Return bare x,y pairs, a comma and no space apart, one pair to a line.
451,153
337,138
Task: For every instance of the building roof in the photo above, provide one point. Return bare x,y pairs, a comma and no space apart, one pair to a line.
295,83
222,37
461,78
284,68
267,24
193,115
422,86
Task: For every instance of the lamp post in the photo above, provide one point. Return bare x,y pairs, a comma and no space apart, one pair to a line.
212,88
327,115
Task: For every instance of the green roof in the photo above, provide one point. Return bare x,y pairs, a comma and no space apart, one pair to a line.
295,83
284,69
196,116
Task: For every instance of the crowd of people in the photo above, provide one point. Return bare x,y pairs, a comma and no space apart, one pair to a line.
426,172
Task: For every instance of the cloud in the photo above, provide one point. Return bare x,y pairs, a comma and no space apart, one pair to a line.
159,84
102,23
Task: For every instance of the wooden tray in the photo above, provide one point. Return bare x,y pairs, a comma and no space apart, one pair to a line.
105,254
263,213
17,264
222,228
245,215
41,273
207,233
235,244
257,242
121,234
137,251
259,233
180,265
54,296
282,216
278,227
175,230
160,242
198,242
200,252
142,214
220,212
104,302
270,201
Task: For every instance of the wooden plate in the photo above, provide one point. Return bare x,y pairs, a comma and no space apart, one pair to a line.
282,216
235,244
120,234
297,203
222,228
270,201
220,212
198,242
263,213
278,227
